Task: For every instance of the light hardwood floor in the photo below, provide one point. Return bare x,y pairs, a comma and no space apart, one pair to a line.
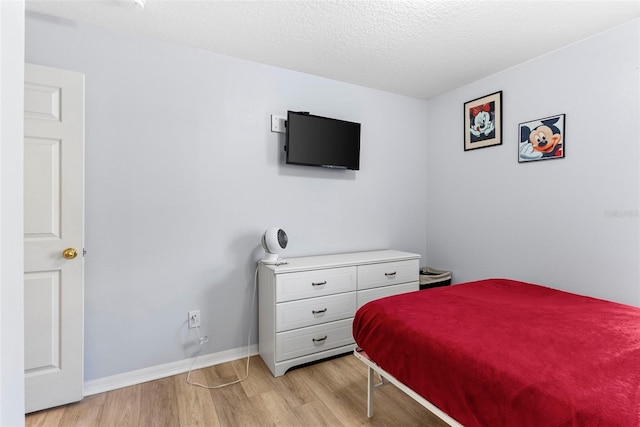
328,393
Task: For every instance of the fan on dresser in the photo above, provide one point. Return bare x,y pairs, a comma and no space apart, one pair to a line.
274,240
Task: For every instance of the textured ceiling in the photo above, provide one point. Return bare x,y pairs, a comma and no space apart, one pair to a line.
415,48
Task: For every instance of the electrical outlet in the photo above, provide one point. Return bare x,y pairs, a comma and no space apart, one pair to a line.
278,124
194,319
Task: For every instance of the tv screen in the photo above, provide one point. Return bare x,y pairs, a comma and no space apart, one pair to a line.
322,141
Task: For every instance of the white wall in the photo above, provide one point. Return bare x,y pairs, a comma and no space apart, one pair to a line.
11,213
183,175
569,223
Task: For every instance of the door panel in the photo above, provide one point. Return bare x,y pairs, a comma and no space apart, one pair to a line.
41,102
42,200
42,322
53,222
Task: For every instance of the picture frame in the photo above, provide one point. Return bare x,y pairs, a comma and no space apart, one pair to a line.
542,139
483,122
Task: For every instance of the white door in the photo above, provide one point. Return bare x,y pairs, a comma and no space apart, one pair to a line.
53,236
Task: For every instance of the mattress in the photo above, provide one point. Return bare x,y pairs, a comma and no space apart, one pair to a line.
500,352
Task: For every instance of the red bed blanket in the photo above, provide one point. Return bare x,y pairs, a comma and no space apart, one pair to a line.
505,353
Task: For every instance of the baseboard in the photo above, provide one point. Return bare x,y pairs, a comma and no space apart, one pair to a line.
140,376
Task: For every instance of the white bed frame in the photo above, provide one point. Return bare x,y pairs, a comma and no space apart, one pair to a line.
387,378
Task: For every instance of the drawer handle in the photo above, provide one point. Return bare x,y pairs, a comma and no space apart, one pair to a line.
390,274
319,311
317,340
319,283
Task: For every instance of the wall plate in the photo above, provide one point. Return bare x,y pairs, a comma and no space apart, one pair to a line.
278,123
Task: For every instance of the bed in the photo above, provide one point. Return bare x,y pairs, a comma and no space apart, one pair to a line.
499,352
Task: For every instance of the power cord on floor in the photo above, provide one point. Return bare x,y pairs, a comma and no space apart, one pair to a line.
203,340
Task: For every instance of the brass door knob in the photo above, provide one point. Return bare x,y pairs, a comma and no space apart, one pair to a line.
70,253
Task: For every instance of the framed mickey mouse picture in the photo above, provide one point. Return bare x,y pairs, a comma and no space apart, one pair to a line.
483,122
541,139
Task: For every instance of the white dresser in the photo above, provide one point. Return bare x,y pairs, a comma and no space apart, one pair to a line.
306,306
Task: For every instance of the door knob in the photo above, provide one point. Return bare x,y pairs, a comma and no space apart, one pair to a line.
70,253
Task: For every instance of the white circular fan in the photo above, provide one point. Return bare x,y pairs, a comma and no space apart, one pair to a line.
274,240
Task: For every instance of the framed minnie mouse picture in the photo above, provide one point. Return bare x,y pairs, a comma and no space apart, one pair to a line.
483,122
541,139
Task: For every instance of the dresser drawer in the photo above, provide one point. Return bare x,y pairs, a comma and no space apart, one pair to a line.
385,291
313,339
309,284
387,273
313,311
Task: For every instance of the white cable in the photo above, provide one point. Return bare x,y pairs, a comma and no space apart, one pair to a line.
201,342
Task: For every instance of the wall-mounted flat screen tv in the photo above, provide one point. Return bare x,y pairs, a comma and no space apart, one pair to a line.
322,141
